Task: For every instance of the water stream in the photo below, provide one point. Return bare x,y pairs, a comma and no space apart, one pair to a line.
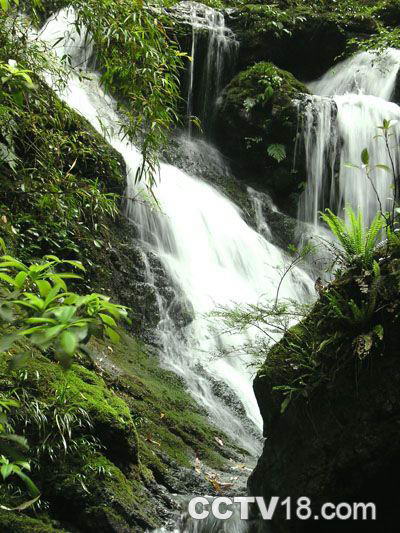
213,52
203,242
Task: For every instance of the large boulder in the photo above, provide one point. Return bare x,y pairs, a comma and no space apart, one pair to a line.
329,396
257,129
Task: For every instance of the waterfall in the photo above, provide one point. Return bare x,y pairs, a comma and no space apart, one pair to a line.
213,50
205,246
350,103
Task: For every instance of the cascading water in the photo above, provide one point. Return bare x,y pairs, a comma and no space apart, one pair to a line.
213,50
337,124
204,244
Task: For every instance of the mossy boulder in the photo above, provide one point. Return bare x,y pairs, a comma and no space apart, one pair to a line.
99,496
337,438
257,127
19,523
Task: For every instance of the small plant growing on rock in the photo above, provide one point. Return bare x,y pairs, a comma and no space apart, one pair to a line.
358,243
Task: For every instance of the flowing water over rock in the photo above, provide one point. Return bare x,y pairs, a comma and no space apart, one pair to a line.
206,247
213,52
351,102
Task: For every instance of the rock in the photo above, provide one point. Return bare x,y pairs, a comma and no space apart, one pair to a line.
306,41
338,438
257,119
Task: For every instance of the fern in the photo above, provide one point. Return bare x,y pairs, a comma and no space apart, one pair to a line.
357,242
277,152
393,237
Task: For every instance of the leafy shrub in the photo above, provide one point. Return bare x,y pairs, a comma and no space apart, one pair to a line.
36,301
38,310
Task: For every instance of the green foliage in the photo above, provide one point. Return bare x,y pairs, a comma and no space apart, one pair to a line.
36,306
55,169
348,310
358,243
59,424
61,182
269,18
277,152
262,84
386,13
139,62
17,468
140,65
12,451
44,312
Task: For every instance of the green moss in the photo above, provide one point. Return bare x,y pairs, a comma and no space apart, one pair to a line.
169,421
19,523
69,156
100,494
263,84
256,112
109,414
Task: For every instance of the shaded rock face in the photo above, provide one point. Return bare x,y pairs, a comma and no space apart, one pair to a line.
303,42
256,114
342,443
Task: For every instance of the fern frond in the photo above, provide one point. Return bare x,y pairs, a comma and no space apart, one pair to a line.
355,231
372,235
358,244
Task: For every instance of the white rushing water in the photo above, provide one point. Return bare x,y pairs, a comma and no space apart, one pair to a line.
213,50
351,102
204,244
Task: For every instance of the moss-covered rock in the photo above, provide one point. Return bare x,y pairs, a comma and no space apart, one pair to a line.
144,430
99,496
257,127
337,439
13,523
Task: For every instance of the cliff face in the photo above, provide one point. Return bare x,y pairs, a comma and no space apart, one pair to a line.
338,439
